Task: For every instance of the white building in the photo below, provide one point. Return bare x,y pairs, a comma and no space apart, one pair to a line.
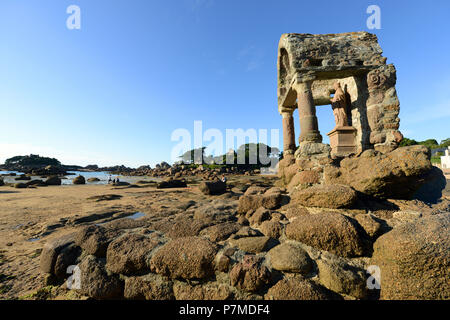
445,160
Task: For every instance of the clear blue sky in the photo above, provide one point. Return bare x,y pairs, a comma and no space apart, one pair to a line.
114,91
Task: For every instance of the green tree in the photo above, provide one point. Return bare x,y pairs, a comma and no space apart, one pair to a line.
194,156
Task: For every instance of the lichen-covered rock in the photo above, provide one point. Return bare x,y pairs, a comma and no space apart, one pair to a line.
297,289
171,183
342,278
272,228
414,259
148,287
253,202
331,232
295,210
58,254
398,174
96,282
326,196
187,258
370,224
250,274
210,291
220,231
260,215
53,181
212,187
128,254
95,239
79,180
253,244
288,257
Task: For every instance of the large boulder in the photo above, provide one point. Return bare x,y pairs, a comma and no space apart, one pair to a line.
96,282
268,200
58,254
341,277
213,187
288,257
79,180
148,287
171,183
95,239
331,232
325,196
297,289
398,174
129,253
250,274
210,291
53,181
414,259
187,258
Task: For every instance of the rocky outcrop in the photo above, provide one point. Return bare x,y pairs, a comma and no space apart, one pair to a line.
414,259
79,180
331,232
289,257
171,183
187,258
297,289
53,181
96,282
212,187
326,196
398,174
251,274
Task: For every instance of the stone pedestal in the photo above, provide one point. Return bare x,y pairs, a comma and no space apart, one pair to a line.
342,140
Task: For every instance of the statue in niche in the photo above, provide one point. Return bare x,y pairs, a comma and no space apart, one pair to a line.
339,105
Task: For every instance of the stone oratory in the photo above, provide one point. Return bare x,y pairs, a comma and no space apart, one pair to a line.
312,68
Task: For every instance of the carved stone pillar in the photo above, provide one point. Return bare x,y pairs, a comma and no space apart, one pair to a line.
288,132
309,129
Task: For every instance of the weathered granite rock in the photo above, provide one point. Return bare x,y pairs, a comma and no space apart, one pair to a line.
128,254
370,224
253,244
253,202
326,196
398,174
414,259
187,258
260,215
342,278
212,187
250,274
148,287
297,289
171,183
272,229
53,181
95,239
290,258
210,291
96,282
220,231
58,254
331,232
79,180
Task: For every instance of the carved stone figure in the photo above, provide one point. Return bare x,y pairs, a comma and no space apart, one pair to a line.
339,105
